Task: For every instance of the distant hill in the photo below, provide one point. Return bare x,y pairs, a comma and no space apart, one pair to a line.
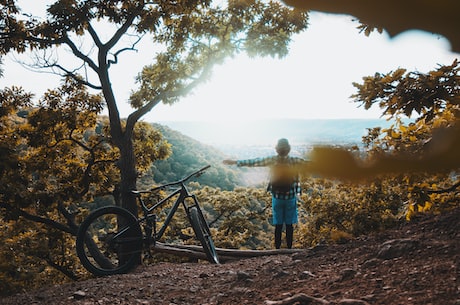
266,132
196,144
190,155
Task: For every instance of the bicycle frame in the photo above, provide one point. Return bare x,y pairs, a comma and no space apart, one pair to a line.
183,195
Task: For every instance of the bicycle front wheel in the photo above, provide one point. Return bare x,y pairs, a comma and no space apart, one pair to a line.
202,232
109,241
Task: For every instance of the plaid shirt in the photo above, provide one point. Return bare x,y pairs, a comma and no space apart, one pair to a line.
270,161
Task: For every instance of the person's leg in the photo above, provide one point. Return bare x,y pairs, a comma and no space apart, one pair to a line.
289,235
291,218
278,231
290,211
278,218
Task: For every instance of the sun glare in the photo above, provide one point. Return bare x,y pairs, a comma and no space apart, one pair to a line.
313,81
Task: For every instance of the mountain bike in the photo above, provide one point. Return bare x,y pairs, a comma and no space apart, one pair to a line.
111,238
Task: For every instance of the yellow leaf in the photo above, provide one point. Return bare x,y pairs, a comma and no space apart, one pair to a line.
427,206
411,208
409,215
436,73
398,73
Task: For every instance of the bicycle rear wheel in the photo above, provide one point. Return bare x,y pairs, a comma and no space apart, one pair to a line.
109,241
202,232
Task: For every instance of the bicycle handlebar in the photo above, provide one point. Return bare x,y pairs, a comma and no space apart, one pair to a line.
196,173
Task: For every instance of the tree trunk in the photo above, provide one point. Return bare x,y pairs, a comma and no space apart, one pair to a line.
128,173
121,137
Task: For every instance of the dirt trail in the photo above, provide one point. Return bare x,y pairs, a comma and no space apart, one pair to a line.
418,263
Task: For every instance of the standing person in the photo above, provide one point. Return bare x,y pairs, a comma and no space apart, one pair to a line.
284,186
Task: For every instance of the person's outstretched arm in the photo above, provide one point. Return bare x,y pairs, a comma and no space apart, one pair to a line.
266,161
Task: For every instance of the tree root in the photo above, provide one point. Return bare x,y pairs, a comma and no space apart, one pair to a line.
305,299
224,254
301,297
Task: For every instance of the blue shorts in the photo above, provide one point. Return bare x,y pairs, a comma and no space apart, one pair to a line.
284,211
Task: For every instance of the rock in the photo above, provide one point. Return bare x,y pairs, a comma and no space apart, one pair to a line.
299,256
396,248
282,273
371,263
347,274
352,302
306,275
78,295
241,275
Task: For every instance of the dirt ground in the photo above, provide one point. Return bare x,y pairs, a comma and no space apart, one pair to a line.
417,263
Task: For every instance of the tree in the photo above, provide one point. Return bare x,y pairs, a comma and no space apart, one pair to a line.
433,97
430,143
56,157
421,155
190,36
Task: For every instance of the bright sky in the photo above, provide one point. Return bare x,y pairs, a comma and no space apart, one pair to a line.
313,81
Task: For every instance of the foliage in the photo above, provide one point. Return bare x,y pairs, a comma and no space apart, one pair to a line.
240,217
58,157
431,145
33,255
400,93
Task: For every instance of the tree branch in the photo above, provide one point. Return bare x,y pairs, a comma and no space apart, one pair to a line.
121,31
132,48
70,217
74,76
61,269
447,190
224,254
38,219
136,115
80,55
85,182
94,35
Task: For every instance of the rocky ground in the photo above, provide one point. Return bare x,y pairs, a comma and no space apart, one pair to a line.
417,263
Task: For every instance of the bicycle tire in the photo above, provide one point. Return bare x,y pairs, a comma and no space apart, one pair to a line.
109,241
203,234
